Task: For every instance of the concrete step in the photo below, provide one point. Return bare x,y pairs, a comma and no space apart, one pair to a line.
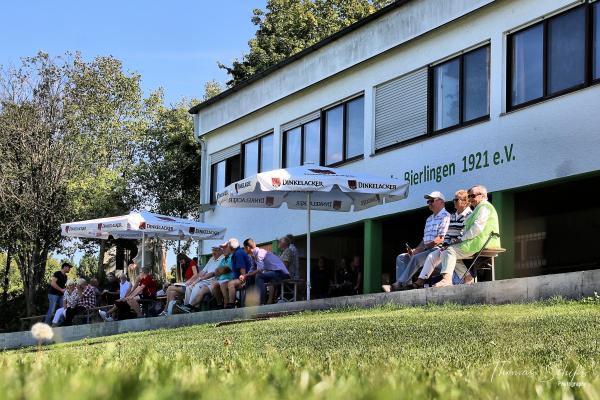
572,285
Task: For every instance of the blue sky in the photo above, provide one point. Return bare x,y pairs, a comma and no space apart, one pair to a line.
174,44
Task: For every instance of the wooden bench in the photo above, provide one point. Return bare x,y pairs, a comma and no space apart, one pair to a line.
288,289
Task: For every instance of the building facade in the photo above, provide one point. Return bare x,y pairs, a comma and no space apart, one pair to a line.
445,94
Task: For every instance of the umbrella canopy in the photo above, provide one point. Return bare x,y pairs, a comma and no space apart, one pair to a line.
140,225
137,225
312,188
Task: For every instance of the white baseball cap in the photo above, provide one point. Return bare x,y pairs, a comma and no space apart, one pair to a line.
435,195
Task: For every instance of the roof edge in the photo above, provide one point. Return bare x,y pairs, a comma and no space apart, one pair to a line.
350,28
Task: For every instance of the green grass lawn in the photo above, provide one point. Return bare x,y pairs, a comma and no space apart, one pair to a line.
541,350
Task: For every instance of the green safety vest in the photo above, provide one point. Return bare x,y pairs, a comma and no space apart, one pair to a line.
475,244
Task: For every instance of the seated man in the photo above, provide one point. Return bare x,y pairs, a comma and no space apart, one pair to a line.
454,234
436,226
145,289
269,268
224,274
124,289
478,227
196,292
86,301
111,289
240,265
289,255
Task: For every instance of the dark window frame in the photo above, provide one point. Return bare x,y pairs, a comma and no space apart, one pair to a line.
345,158
431,132
588,59
228,172
258,159
284,141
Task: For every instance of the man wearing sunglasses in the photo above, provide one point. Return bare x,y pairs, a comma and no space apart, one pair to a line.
453,236
478,226
436,226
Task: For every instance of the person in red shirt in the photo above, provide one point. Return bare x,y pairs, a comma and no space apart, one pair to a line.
177,291
145,289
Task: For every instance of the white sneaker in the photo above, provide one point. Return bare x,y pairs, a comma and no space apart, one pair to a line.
104,315
386,288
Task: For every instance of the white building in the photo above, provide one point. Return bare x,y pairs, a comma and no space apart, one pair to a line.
445,94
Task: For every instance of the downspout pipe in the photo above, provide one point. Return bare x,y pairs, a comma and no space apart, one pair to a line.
202,177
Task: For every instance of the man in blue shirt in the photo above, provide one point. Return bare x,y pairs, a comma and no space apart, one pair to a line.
269,268
240,265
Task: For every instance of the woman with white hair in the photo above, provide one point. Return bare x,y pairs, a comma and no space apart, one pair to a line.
70,298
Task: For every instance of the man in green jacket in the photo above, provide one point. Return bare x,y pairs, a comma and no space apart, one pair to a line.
478,226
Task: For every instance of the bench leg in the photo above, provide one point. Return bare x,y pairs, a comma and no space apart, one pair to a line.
295,291
493,270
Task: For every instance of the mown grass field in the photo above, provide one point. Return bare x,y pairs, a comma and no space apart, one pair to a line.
544,350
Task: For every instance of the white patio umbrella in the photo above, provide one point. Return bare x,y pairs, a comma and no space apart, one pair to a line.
140,225
312,188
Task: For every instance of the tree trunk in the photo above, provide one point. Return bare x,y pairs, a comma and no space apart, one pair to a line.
101,257
6,278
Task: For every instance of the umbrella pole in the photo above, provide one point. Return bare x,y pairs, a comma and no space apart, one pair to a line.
143,248
308,249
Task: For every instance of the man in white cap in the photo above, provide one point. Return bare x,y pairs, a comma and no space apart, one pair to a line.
436,226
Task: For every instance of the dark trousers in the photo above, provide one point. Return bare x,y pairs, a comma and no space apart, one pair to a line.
109,298
71,313
267,277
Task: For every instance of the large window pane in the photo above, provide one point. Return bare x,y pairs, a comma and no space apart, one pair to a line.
476,84
312,142
266,153
250,158
446,94
527,65
566,50
355,127
596,41
218,178
292,147
334,131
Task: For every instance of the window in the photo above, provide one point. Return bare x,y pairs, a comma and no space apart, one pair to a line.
224,173
258,155
312,142
344,131
334,135
340,140
293,147
528,50
566,50
460,90
355,114
303,144
552,57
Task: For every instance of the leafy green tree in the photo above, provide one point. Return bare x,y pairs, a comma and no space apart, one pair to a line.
88,266
167,176
289,26
67,143
211,89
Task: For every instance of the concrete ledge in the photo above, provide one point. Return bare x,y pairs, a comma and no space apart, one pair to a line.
573,285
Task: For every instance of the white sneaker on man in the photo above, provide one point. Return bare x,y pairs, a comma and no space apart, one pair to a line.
104,315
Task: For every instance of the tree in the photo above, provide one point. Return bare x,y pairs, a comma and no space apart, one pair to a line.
211,89
167,176
289,26
67,145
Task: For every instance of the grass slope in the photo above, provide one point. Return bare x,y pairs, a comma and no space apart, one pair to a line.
484,352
